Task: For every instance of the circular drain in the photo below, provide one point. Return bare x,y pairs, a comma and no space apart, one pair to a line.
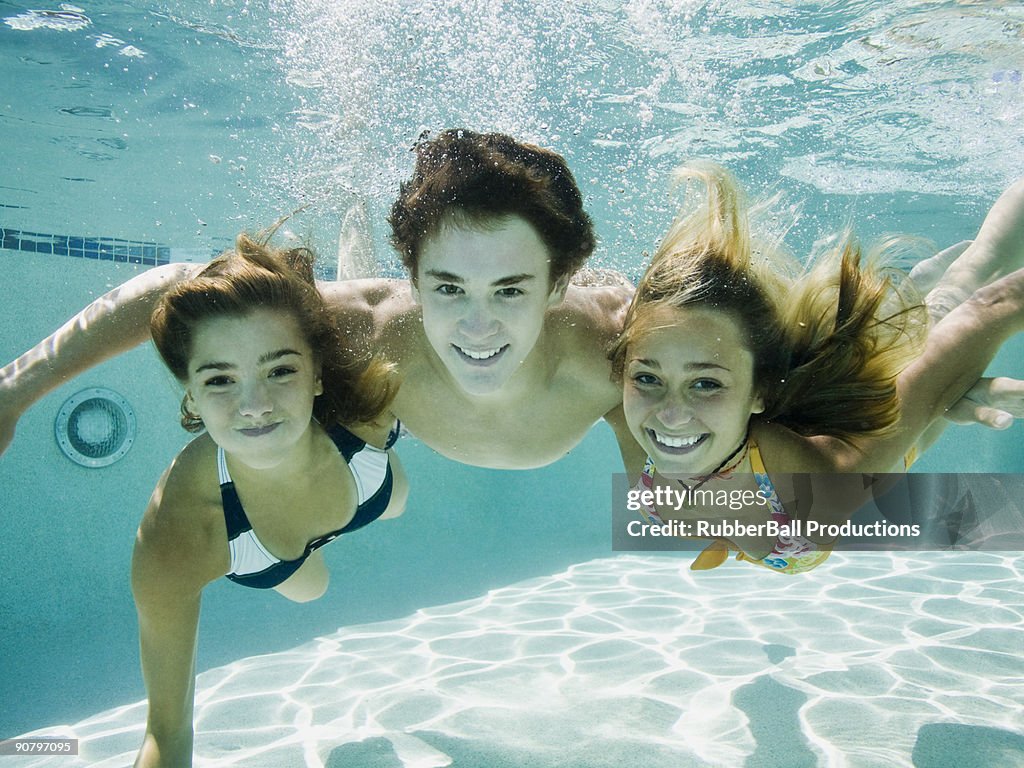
95,427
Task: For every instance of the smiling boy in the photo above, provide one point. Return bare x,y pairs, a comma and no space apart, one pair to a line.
500,357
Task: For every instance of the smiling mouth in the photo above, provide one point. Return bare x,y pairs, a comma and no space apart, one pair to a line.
676,445
482,357
258,431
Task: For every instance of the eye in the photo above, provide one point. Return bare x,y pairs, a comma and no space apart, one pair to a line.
283,370
645,380
448,289
218,381
707,385
509,293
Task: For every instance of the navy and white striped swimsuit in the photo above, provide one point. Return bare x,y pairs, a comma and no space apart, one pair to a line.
251,564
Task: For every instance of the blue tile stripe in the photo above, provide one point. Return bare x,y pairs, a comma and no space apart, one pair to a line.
99,248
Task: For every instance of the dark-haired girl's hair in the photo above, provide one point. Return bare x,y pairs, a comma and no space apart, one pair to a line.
256,276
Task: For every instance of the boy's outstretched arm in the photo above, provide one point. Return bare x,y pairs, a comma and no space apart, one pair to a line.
114,323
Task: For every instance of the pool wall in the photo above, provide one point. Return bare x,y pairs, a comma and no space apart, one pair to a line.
69,644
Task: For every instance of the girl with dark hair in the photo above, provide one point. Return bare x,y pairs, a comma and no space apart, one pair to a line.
273,478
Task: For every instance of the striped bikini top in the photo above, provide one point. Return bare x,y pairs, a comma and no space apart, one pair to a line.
252,565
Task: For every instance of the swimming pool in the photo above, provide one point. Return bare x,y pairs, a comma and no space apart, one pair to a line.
138,132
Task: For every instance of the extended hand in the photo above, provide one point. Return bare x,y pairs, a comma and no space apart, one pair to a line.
994,402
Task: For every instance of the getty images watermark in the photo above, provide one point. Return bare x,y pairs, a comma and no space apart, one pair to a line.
847,511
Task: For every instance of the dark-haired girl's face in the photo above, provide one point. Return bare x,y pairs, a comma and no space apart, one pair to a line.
253,379
689,388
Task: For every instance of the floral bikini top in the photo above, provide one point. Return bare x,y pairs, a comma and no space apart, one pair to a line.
790,554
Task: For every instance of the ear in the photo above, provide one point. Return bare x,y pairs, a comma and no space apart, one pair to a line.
558,290
414,289
758,405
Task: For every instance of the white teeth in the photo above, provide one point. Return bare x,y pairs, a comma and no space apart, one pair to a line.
676,442
483,355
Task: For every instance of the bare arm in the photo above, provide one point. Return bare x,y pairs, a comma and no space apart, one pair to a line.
996,251
608,294
119,320
956,354
926,274
174,559
991,402
359,307
951,276
168,626
112,324
633,456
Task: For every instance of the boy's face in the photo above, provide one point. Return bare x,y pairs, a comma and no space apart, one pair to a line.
484,294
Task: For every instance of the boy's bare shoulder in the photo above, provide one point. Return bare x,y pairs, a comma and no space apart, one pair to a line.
370,309
597,306
367,297
585,324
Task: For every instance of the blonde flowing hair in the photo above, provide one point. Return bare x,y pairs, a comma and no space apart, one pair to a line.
828,340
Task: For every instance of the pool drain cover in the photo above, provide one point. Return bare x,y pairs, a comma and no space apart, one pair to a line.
95,427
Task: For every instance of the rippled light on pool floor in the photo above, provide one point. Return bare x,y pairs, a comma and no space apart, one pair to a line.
871,661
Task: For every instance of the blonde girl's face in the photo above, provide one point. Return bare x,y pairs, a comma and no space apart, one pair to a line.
253,379
688,389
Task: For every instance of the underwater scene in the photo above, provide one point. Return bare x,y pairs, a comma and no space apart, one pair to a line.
500,620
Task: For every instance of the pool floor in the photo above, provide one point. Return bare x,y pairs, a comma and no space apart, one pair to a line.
882,661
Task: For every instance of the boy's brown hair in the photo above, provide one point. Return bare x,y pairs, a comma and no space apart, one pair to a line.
474,179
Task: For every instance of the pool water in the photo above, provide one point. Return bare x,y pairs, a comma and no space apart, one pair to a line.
492,624
636,660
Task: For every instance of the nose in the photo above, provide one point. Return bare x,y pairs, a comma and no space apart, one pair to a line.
477,322
254,400
675,411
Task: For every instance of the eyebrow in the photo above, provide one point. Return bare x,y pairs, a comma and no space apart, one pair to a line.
690,366
266,357
451,277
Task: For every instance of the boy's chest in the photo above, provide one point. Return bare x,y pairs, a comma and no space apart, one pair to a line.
531,431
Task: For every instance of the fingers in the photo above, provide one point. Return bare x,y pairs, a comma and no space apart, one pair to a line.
927,273
1001,392
966,412
992,402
